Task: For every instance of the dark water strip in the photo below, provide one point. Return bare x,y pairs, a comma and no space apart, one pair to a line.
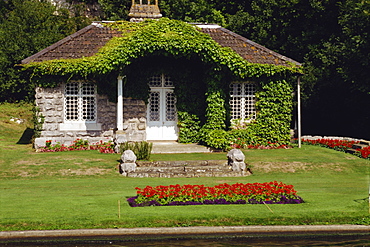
355,240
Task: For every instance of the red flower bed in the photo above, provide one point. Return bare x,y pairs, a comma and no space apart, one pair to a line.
269,146
364,152
239,193
340,145
79,144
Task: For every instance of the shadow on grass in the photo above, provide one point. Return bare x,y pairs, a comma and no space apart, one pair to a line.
26,137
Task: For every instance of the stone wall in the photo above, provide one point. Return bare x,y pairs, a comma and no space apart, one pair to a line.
51,104
134,119
106,113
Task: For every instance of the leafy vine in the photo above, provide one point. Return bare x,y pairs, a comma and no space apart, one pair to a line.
164,36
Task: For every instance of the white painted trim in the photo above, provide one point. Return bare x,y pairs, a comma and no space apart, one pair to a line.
119,103
214,26
299,111
82,126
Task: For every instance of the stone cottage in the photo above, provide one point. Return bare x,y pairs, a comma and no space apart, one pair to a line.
153,79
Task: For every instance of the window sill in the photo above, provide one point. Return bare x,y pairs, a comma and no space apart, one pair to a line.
80,126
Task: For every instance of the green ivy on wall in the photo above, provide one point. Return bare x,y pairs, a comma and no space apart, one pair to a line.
274,105
178,40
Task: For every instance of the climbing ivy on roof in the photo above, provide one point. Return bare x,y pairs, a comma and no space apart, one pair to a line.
163,37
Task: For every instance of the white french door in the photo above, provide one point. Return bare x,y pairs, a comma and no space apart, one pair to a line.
161,113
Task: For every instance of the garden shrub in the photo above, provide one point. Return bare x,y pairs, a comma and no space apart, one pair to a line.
216,138
142,149
241,138
189,126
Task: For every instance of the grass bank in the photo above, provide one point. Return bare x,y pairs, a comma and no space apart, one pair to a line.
83,189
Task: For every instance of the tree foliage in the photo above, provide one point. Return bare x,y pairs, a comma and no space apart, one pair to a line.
26,27
114,10
200,11
339,78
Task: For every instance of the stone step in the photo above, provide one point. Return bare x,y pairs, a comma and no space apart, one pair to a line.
187,174
359,146
362,144
182,163
365,142
351,151
179,169
192,168
175,147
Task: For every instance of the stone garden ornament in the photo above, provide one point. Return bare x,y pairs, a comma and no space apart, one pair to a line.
235,159
128,162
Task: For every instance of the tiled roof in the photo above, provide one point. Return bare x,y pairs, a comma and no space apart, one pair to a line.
84,43
249,50
90,39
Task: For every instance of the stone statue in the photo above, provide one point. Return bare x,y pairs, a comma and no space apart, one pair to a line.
128,162
235,159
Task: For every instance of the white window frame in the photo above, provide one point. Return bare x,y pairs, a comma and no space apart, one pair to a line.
243,101
76,120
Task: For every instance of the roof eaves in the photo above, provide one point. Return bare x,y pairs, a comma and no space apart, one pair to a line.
260,46
57,44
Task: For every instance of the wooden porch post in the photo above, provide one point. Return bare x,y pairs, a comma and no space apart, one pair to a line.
299,111
120,103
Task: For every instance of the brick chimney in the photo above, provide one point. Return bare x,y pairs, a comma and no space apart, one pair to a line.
144,9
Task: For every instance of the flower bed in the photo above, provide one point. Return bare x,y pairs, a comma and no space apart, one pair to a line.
339,145
79,144
250,193
364,152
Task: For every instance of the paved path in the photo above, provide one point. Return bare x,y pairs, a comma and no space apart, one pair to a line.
175,147
184,232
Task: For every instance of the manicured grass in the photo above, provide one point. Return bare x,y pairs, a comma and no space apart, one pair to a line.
82,189
69,203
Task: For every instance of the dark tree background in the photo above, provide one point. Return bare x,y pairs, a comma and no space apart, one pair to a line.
330,37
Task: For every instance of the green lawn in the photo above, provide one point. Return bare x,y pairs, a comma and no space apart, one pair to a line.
82,189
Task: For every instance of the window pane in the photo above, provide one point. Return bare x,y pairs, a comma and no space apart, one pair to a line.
168,82
249,89
87,89
235,103
155,81
71,88
170,106
242,100
250,109
88,109
235,89
71,108
154,106
80,102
